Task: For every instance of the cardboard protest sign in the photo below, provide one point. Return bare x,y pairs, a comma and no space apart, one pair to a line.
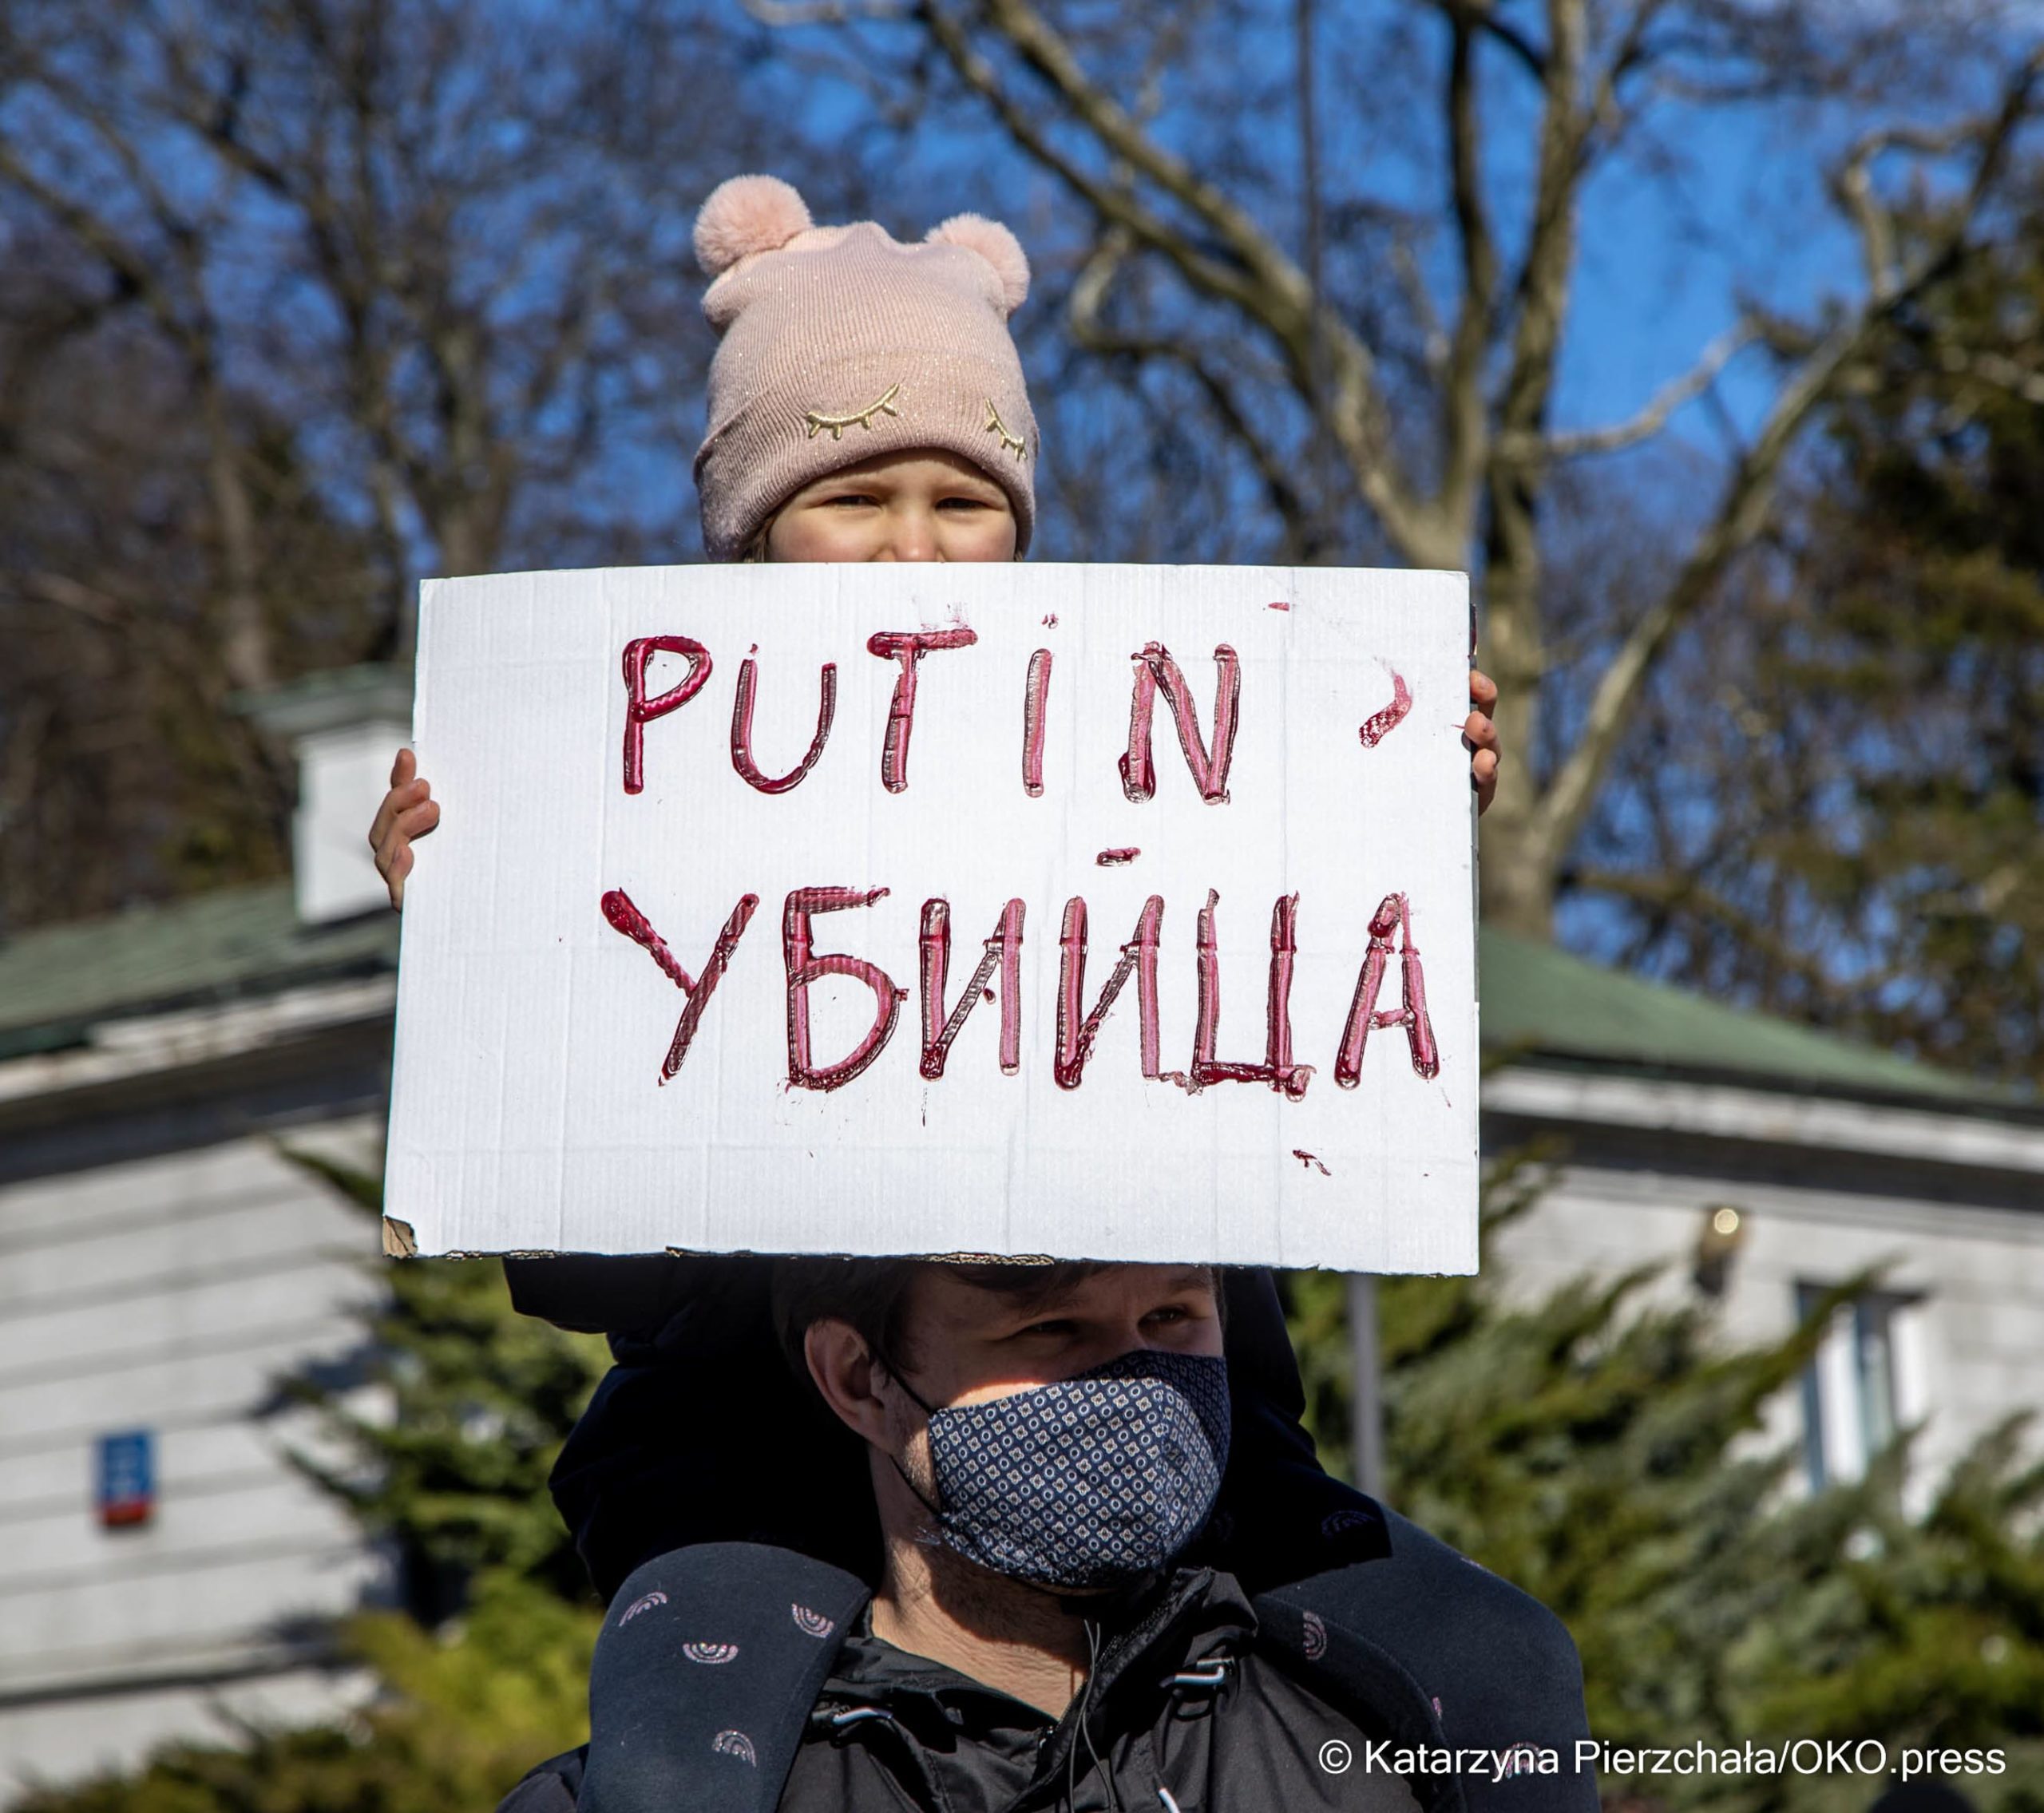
1116,912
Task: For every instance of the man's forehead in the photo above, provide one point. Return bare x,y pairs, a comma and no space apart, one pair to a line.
956,1290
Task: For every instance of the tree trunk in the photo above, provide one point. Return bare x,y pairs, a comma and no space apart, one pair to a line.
1519,864
245,635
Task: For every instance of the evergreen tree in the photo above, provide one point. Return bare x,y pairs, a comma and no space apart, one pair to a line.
458,1718
1926,1632
1606,1453
477,1399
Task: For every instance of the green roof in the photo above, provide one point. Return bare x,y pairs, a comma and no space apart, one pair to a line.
235,943
1538,1002
328,698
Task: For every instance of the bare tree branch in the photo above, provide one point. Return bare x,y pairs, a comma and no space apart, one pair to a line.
1088,297
783,13
1412,290
1608,112
1671,892
68,593
1576,443
1255,274
1495,26
1852,184
1748,496
187,322
1543,277
1465,425
1483,16
1995,369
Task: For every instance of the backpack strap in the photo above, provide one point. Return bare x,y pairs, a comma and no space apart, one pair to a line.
1493,1669
708,1662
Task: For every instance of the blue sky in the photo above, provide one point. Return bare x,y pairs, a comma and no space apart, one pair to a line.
1664,261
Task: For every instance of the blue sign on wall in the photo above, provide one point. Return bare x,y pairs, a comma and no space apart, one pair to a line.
127,1483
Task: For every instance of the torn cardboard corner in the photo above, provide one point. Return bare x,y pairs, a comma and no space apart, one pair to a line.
399,1242
768,913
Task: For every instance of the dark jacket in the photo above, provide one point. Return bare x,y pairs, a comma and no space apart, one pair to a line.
1200,1700
1191,1699
753,1504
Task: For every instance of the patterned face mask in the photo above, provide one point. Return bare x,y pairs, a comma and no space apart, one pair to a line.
1088,1482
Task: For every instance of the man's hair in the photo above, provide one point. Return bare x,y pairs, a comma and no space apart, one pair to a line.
871,1296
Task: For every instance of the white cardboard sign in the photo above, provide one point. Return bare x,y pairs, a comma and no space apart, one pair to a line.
774,909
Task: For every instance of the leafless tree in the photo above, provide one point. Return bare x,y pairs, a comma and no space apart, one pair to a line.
123,774
1438,414
450,240
305,299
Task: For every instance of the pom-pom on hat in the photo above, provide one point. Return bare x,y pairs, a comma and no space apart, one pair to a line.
840,342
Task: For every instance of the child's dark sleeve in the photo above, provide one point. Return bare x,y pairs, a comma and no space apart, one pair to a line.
701,1433
554,1786
629,1297
1280,1517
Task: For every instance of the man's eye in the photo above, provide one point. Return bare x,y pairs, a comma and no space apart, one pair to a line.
1170,1312
1054,1325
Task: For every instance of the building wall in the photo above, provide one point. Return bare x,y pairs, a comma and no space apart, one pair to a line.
170,1293
1970,1350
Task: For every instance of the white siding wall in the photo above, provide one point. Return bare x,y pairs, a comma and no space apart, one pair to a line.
1975,1346
169,1294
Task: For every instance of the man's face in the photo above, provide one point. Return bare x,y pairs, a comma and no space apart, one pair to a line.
963,1344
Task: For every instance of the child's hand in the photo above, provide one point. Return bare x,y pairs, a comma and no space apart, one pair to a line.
1481,735
409,810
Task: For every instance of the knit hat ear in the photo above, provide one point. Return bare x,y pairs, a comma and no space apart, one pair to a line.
997,245
747,215
838,343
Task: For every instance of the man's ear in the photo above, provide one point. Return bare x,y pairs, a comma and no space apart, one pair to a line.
849,1377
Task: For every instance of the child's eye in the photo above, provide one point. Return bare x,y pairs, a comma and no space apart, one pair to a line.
851,498
1170,1312
1054,1325
966,503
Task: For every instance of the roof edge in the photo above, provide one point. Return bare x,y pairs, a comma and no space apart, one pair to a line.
2010,1110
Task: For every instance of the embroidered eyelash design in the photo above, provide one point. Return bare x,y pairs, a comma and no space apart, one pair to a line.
859,418
1009,443
712,1653
736,1744
645,1605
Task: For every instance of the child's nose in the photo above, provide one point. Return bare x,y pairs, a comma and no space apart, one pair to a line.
912,535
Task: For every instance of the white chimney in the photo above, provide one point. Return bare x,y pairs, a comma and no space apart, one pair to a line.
345,727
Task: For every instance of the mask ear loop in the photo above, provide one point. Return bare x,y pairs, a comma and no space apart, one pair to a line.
929,1410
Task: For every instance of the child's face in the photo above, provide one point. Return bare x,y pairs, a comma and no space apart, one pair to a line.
923,505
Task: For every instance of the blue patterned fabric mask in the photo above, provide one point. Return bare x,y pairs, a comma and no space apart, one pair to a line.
1089,1482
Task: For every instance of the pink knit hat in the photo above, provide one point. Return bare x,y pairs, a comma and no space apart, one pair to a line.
840,342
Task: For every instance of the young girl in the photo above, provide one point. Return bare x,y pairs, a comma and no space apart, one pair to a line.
866,403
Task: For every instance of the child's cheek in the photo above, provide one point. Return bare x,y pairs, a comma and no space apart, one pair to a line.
984,537
813,535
